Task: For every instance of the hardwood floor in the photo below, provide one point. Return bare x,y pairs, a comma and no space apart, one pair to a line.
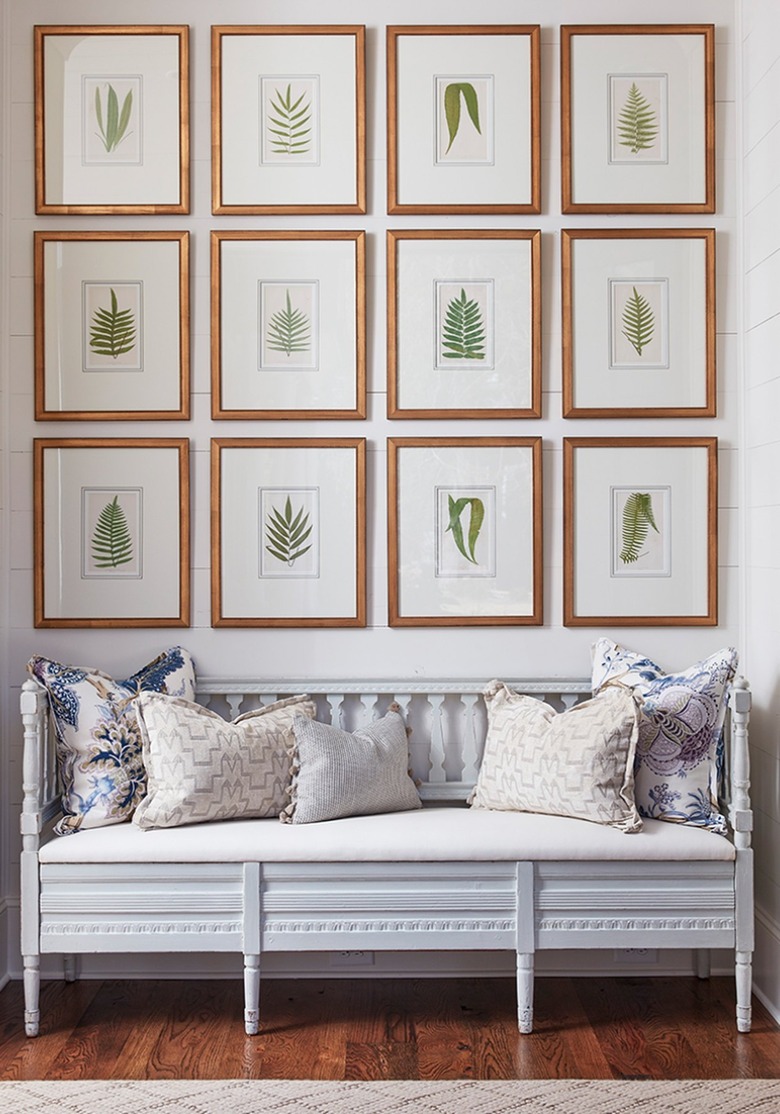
625,1028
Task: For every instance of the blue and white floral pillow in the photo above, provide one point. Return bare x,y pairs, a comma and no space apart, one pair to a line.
680,747
98,741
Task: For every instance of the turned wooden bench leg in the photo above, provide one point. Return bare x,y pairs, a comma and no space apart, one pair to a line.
744,974
32,986
703,963
525,992
252,994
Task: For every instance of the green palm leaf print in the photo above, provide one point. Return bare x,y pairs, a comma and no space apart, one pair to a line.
638,321
637,519
463,333
290,123
112,543
114,129
286,533
113,330
289,330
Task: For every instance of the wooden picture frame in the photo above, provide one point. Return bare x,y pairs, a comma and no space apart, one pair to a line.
112,130
464,324
638,118
112,326
463,119
301,90
288,325
105,552
640,531
288,532
465,531
639,331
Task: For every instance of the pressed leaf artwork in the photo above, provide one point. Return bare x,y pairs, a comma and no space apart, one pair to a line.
114,123
289,330
463,331
290,123
112,543
113,331
638,321
466,543
287,533
637,520
452,107
637,123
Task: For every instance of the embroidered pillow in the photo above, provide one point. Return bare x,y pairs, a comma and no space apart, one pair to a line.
576,763
201,767
680,746
98,743
338,773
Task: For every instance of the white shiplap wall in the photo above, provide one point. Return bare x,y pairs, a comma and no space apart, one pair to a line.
761,241
377,651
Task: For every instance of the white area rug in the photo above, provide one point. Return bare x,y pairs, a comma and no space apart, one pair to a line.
267,1096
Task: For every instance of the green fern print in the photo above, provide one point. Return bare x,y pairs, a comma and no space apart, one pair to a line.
286,533
289,330
452,96
637,124
290,123
114,128
112,544
638,321
637,519
466,545
463,332
112,332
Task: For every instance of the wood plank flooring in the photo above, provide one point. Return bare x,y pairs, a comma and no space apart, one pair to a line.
590,1028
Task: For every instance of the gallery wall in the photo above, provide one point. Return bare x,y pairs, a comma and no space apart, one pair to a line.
378,650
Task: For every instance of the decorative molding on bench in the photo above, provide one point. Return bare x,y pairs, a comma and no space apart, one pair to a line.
406,925
614,924
144,928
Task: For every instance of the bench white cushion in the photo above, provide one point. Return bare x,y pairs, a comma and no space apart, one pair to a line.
448,834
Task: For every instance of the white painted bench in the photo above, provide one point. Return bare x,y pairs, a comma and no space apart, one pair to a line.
443,877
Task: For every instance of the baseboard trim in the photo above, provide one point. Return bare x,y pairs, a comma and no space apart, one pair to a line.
5,955
767,963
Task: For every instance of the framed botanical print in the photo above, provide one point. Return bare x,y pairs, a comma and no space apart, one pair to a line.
112,321
465,531
463,119
288,532
288,119
112,532
288,325
640,531
112,119
639,323
464,324
638,118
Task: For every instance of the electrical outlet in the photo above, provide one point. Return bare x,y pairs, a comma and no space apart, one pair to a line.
351,959
636,955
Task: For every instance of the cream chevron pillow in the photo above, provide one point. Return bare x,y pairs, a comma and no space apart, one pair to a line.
577,763
201,767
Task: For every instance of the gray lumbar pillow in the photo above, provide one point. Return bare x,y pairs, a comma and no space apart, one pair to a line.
340,773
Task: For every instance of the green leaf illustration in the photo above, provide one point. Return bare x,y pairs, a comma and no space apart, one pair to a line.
638,321
112,544
113,330
289,330
116,123
452,94
637,518
463,333
286,533
456,507
637,124
290,123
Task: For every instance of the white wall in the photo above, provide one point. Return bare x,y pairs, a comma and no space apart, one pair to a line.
551,650
7,711
761,225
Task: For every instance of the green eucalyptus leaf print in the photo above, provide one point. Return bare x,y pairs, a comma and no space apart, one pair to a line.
113,127
452,98
113,331
112,543
286,533
463,332
289,330
637,123
638,321
637,519
289,123
465,544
